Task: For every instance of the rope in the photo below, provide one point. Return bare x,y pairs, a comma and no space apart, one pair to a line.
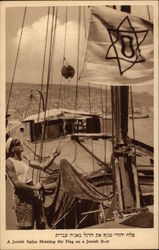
52,44
58,102
43,67
51,62
30,150
75,153
101,97
64,52
78,44
84,14
148,11
132,112
50,58
48,81
41,88
89,93
112,98
113,139
105,142
106,113
89,97
103,120
68,93
29,104
84,216
64,59
55,26
133,125
63,216
35,99
16,61
51,80
46,101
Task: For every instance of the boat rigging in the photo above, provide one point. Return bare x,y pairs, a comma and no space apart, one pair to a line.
120,177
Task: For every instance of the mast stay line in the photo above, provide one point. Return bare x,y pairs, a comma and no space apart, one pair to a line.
16,61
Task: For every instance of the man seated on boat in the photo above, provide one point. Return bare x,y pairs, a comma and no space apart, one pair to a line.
27,194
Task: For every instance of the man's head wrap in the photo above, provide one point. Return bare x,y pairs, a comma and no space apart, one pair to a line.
10,144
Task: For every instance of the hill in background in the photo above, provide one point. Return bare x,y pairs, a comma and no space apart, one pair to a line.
88,98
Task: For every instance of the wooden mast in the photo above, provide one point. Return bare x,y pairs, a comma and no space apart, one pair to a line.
124,176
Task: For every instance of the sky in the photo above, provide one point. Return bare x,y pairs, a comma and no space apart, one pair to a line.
31,54
30,60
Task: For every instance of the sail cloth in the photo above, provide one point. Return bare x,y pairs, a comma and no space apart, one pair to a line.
119,49
71,187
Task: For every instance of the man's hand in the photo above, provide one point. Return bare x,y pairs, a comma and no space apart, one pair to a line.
38,186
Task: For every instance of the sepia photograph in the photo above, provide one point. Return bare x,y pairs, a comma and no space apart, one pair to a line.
80,125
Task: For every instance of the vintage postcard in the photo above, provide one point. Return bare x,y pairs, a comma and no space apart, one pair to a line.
79,124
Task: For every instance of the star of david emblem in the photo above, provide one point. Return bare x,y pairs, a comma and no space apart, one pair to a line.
125,45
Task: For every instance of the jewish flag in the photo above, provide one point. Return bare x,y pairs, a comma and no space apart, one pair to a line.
119,49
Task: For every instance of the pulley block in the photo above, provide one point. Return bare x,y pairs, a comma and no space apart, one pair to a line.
68,71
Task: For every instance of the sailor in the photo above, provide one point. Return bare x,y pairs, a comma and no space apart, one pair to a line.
20,175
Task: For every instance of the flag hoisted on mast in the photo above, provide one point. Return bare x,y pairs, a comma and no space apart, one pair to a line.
119,49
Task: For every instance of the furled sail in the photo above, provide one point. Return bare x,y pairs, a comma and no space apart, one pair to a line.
71,187
119,49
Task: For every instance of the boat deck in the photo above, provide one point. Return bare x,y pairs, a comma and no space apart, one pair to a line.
80,159
142,220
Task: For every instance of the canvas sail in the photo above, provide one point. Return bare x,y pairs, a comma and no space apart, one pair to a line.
71,187
119,49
